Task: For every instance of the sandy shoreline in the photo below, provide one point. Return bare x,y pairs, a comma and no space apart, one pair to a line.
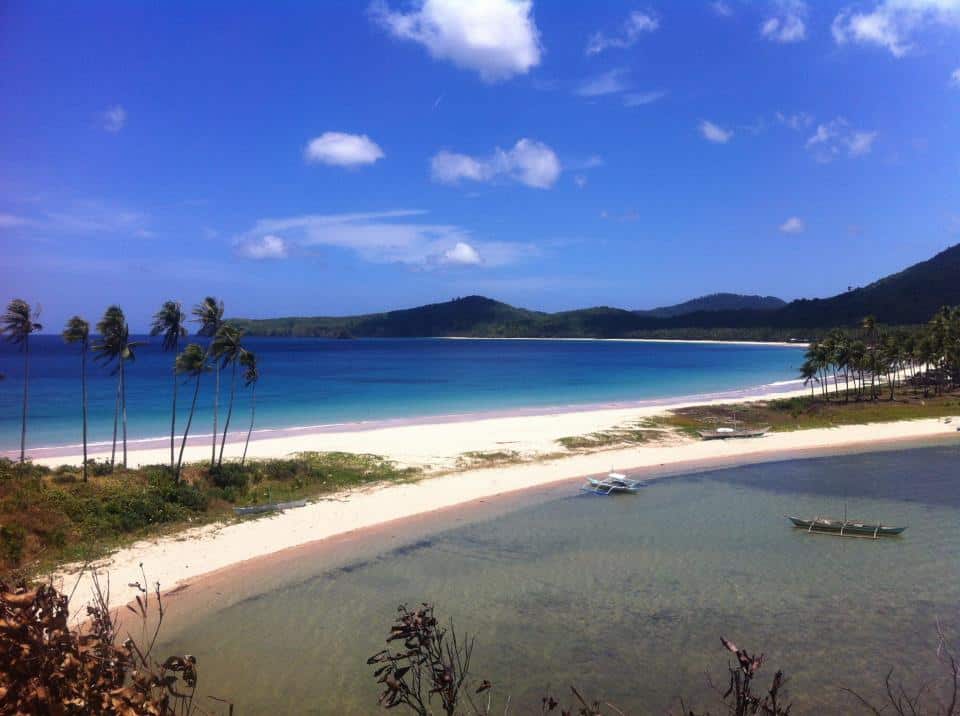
178,559
781,344
540,426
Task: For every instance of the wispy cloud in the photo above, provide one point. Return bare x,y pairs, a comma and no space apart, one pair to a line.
894,24
836,138
610,82
793,225
714,133
264,247
397,236
955,77
340,149
721,8
639,99
797,121
114,118
496,38
787,22
633,27
11,221
528,162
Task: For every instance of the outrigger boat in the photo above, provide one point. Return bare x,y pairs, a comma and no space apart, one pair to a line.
613,483
845,527
727,433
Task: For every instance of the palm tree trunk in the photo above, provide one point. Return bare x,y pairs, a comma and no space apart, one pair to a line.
216,404
26,400
123,407
183,443
253,410
226,423
83,390
173,411
116,417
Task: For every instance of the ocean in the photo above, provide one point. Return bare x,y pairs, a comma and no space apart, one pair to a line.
313,381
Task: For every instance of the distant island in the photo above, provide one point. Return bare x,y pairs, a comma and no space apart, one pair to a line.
905,298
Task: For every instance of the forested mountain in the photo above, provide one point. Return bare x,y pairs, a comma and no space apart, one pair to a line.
910,296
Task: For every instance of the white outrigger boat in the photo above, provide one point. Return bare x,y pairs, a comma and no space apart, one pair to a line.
613,483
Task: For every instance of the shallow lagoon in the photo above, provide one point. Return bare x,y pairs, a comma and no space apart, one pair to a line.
624,597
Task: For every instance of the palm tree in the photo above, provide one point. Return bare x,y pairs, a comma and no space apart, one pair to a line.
168,322
78,331
209,314
226,349
18,323
115,345
193,364
250,377
808,371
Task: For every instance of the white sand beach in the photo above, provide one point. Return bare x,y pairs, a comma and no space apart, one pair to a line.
437,447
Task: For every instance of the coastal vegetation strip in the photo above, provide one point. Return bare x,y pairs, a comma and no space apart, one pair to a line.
52,516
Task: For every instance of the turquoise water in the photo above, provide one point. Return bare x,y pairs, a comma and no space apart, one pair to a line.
624,597
315,381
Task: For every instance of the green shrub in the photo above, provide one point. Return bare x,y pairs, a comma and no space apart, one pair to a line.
12,541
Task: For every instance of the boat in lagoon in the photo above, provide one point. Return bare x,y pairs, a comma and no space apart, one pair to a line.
728,433
845,527
613,483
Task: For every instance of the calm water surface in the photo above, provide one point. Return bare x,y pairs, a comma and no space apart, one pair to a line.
311,381
626,597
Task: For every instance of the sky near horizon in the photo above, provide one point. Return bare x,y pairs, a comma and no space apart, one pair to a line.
344,157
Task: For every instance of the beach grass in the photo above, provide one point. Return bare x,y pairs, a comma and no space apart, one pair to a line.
804,413
631,434
51,516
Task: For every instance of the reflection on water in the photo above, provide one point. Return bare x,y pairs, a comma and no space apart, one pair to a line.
627,597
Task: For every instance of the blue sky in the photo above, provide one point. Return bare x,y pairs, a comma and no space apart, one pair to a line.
340,157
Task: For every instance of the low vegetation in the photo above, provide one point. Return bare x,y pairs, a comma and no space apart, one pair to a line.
50,516
621,436
802,413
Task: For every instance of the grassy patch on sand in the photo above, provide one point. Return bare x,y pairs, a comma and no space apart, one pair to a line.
633,434
488,458
50,516
802,413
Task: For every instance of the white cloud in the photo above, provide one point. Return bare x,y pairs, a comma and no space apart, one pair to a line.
638,99
714,133
496,38
397,236
462,254
860,143
721,8
114,118
787,23
835,138
343,150
580,180
893,24
955,77
609,82
529,162
793,225
266,247
633,27
796,122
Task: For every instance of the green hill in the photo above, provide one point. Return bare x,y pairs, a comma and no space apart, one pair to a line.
908,297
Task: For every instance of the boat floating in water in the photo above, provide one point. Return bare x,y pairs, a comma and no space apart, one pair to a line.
845,527
613,483
728,433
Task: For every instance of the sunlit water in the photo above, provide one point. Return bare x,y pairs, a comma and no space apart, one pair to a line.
311,381
624,597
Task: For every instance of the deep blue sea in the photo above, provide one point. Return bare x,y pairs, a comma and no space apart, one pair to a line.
312,381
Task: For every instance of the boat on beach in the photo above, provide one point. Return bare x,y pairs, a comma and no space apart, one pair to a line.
728,433
613,483
846,527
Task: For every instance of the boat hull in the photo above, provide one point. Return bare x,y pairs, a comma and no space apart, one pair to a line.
713,435
843,528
